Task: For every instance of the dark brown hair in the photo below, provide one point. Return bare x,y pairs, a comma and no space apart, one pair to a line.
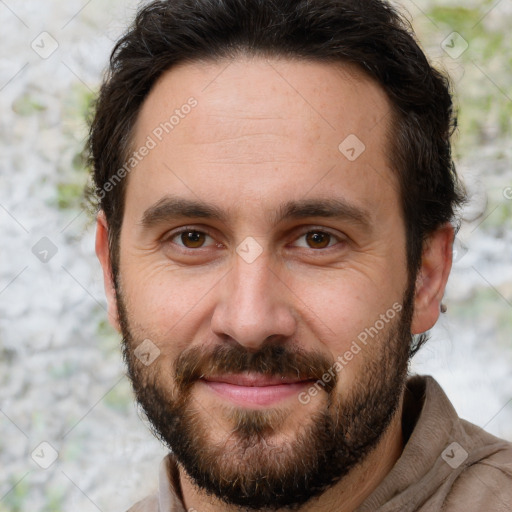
369,33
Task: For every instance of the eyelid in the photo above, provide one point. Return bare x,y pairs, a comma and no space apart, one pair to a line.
340,237
169,235
296,233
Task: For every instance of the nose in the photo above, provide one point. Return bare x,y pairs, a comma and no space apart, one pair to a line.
253,306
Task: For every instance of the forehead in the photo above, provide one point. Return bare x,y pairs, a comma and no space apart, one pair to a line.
262,126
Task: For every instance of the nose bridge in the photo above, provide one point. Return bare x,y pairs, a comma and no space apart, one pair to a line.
254,304
251,284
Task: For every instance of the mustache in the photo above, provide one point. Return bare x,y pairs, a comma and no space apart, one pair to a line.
271,360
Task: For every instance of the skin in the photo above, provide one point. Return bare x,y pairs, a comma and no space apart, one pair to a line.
266,132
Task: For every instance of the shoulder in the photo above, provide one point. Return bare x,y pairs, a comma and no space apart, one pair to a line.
168,496
485,484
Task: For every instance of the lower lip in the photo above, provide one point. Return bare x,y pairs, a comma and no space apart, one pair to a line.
250,396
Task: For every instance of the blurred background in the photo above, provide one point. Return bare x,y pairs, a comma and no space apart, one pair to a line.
70,435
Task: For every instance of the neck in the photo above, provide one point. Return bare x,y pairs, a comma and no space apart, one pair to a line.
344,496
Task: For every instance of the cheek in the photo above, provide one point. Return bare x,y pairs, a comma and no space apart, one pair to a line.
355,315
167,305
359,337
345,304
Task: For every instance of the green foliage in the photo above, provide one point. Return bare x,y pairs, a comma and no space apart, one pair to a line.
13,501
456,17
120,398
499,217
484,92
487,306
73,168
54,500
108,339
77,105
69,195
27,105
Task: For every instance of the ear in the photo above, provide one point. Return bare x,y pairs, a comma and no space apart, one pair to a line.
436,263
103,254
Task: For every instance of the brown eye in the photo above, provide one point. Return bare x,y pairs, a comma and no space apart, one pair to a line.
192,239
318,240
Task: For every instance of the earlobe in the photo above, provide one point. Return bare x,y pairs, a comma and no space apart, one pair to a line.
436,264
103,254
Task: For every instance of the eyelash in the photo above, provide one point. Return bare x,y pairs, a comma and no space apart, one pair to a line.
175,234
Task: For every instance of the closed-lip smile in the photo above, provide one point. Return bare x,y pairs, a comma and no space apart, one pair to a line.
249,390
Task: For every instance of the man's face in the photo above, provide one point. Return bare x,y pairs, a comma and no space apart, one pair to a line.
255,253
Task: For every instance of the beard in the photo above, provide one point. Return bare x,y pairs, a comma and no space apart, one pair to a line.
248,467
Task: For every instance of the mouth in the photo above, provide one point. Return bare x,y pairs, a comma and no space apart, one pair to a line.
255,390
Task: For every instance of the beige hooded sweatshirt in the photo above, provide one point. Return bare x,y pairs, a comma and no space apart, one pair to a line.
447,465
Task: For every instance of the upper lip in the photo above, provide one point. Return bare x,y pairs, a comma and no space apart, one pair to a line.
253,380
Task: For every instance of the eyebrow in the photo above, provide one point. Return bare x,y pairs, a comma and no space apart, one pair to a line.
171,208
324,208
